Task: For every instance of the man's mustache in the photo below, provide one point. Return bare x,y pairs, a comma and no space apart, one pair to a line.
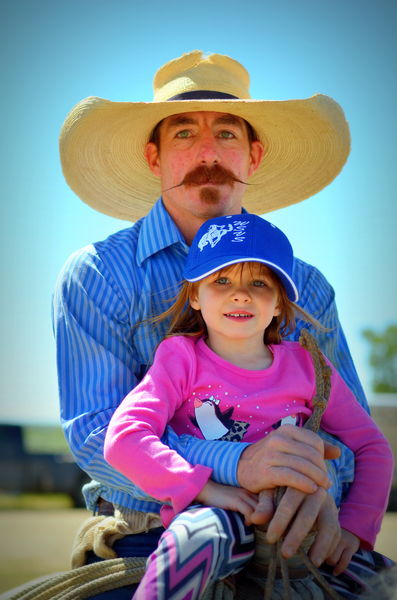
215,175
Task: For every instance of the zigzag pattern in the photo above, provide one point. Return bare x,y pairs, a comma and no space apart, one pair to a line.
200,546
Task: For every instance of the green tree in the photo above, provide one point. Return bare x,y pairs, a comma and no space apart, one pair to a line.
383,358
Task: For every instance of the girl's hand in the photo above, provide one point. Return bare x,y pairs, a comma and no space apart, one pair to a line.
341,556
228,497
264,509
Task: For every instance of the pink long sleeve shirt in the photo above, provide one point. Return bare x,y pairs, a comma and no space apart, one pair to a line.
199,393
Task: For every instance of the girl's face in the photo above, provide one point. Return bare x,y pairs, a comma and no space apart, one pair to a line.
237,304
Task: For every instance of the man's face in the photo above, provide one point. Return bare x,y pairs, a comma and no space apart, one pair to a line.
203,161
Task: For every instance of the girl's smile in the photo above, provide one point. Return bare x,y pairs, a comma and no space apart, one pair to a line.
237,316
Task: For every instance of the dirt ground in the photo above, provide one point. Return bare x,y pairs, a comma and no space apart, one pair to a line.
35,543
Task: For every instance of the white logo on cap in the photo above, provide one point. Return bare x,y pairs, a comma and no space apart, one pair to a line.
213,235
216,232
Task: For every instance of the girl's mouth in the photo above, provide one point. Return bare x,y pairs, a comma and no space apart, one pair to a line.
239,316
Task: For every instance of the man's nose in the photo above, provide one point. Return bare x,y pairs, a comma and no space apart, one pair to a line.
208,151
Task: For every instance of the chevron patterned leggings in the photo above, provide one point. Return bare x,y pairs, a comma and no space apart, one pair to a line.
201,545
204,544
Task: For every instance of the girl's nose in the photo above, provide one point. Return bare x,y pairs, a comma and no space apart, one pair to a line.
241,295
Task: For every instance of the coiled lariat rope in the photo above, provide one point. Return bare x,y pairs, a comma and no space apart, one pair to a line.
97,578
84,582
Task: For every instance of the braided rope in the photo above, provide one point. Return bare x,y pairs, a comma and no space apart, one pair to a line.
323,380
323,388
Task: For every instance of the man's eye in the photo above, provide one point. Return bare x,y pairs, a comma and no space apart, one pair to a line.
185,133
226,134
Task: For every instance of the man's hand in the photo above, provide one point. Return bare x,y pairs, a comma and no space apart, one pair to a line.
288,456
342,554
228,497
303,512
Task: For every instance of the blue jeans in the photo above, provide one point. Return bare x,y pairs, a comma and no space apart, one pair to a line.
140,544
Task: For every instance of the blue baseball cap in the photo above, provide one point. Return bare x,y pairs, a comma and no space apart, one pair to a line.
225,241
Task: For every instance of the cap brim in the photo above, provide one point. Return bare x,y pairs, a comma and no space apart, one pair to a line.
197,274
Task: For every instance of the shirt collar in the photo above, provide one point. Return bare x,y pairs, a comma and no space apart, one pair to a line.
158,231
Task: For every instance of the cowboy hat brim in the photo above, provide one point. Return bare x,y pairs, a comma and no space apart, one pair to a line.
102,147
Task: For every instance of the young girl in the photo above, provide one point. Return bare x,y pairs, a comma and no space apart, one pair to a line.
224,373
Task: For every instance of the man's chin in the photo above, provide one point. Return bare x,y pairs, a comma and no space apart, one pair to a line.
210,195
216,202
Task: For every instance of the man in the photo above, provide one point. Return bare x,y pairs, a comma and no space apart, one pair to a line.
209,150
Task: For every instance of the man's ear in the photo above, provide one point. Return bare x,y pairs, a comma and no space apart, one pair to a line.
152,156
257,152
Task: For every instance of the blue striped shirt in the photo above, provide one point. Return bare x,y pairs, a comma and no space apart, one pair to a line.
104,296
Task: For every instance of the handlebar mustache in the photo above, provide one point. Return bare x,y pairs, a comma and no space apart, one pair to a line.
215,175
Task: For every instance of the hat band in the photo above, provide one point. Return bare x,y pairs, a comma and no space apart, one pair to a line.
202,95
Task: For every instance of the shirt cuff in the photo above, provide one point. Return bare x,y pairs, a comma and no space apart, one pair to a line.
221,457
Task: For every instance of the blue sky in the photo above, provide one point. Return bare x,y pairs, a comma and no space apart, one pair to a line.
54,53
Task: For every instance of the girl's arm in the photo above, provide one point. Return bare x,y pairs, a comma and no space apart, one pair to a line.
362,510
133,445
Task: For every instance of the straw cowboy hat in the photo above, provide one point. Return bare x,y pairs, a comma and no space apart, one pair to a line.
102,142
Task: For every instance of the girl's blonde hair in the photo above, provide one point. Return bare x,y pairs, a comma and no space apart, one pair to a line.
188,321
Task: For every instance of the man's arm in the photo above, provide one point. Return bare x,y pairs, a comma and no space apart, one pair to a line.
95,359
317,297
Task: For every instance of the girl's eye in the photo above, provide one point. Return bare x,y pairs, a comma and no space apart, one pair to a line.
222,280
185,133
259,283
